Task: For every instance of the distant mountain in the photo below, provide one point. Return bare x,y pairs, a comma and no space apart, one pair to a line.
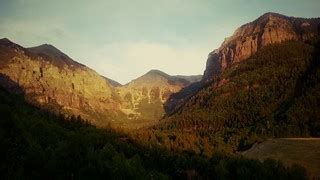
143,98
52,80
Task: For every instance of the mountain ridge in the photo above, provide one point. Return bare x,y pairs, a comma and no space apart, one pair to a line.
37,69
51,79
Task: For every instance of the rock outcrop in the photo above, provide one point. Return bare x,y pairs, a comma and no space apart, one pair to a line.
248,39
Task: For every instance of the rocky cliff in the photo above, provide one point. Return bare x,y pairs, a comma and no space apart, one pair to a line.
50,79
268,29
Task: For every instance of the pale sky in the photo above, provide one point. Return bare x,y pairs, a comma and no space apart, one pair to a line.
123,39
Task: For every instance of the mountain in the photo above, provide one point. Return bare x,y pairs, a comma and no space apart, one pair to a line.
52,80
143,98
250,93
269,28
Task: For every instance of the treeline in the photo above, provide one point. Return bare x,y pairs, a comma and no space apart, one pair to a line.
275,93
38,145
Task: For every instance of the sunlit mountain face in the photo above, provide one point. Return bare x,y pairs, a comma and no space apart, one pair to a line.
159,90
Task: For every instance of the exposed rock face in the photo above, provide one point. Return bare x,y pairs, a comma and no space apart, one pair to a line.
143,98
51,79
248,39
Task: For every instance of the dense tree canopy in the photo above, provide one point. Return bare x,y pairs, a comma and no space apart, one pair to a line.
38,145
274,93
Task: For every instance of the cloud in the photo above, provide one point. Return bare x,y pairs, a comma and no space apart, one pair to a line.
32,32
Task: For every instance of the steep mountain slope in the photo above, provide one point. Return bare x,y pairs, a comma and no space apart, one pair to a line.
143,97
52,80
271,90
268,29
275,93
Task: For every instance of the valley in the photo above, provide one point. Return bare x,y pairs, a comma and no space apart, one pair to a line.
253,114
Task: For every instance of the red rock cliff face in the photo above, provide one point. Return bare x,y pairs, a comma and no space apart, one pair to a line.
249,38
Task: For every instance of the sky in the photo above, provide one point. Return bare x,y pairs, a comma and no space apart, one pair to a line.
124,39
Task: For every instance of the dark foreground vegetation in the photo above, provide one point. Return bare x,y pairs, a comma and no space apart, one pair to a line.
38,145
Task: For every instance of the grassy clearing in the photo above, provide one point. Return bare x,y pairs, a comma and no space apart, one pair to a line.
303,151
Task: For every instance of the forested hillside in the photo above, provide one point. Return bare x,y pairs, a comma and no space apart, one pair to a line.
274,93
62,120
38,145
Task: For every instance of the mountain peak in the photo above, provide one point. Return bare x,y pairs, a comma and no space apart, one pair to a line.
156,72
272,14
5,41
47,46
54,55
269,16
47,49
